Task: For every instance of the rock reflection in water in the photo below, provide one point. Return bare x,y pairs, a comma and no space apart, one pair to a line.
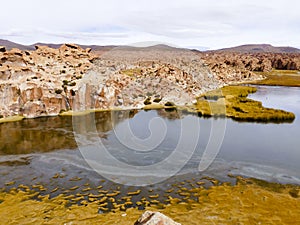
47,134
36,135
171,114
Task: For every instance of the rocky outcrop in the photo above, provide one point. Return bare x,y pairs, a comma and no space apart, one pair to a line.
36,83
284,61
260,48
48,81
139,78
235,64
130,77
154,218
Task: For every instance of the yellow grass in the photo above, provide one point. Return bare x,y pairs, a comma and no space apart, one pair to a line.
250,201
281,78
232,101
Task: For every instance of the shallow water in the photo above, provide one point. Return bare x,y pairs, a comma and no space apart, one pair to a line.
34,151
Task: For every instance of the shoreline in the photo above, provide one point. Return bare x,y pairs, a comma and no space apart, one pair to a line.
154,105
205,108
11,119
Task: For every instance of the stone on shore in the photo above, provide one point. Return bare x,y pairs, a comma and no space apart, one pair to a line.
154,218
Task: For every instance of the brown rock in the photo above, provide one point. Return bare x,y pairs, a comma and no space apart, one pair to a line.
31,109
154,218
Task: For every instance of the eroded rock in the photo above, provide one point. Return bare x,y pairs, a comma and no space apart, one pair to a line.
47,81
246,64
36,83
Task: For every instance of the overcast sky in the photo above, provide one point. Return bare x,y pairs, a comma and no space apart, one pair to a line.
186,23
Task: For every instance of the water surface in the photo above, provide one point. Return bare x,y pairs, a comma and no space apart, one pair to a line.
35,150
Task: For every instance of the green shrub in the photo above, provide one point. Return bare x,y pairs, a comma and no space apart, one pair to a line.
58,91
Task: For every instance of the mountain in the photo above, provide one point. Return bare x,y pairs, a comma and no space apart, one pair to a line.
9,45
258,48
249,48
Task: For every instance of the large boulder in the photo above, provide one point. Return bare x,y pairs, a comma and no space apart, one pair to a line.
155,218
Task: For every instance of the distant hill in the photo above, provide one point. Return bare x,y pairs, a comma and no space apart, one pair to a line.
250,48
97,48
9,45
257,48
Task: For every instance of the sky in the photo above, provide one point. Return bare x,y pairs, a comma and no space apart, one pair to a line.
184,23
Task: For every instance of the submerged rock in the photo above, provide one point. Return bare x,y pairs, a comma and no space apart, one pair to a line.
154,218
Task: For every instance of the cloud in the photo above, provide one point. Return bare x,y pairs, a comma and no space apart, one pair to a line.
209,23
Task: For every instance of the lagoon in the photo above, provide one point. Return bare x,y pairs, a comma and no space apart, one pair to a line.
35,150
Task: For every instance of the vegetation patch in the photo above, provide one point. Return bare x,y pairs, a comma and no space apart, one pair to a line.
157,100
169,104
147,101
11,119
250,201
58,91
132,72
281,78
232,101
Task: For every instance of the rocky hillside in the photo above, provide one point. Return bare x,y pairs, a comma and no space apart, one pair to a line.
260,48
9,45
248,63
36,83
247,59
48,81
